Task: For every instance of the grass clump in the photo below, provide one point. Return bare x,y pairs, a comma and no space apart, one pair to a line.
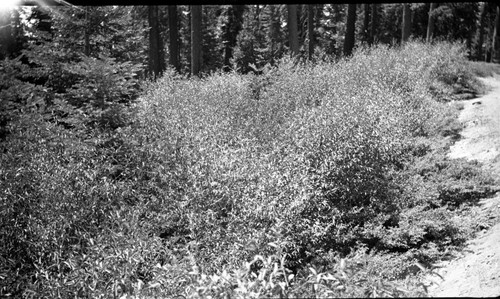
309,180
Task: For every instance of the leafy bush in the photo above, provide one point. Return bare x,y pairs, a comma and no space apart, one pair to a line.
307,146
179,193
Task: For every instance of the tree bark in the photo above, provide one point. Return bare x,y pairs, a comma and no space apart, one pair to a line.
480,31
495,54
310,29
155,65
196,15
406,26
374,24
487,46
86,49
293,36
366,22
350,30
430,23
173,47
302,18
274,28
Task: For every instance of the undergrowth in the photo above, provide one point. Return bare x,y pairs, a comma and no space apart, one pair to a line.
484,69
310,180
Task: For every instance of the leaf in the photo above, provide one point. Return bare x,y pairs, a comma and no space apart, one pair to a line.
343,264
329,276
154,285
422,267
437,274
273,244
253,67
140,284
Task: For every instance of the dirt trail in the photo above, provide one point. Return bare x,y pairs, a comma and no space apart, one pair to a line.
477,272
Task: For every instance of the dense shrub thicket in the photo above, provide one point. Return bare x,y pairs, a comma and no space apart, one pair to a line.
244,185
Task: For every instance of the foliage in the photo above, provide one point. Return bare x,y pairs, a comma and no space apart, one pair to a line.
310,180
281,178
261,40
484,69
212,50
112,31
455,21
52,75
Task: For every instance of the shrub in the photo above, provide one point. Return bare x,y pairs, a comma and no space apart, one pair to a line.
299,147
180,192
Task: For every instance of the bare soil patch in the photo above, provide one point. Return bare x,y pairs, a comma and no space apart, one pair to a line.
477,272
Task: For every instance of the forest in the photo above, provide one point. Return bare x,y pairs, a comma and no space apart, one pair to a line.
237,151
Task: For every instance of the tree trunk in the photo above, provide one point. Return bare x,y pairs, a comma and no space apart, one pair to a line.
6,37
293,36
155,65
406,26
274,28
430,23
480,31
16,33
310,29
86,49
489,36
350,30
366,22
495,54
374,23
196,16
302,17
173,47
